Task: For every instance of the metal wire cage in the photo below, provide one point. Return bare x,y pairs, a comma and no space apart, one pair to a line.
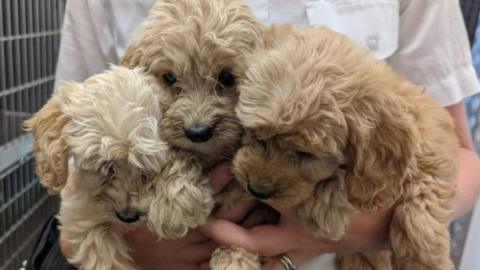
29,42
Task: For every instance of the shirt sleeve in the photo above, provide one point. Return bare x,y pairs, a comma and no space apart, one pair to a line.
87,42
434,51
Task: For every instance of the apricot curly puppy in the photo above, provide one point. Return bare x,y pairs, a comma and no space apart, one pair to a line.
333,131
97,142
197,50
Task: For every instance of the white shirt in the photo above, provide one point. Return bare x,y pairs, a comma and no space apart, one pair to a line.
425,40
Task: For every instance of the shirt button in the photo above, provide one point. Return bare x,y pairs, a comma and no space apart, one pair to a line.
373,43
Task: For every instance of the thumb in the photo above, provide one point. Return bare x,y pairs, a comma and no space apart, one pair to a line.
220,176
264,239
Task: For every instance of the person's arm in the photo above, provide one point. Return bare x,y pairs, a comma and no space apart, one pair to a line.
468,179
433,51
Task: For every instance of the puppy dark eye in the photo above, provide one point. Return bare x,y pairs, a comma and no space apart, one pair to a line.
110,172
144,178
226,79
169,79
262,143
304,155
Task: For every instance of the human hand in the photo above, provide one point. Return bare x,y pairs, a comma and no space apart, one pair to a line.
149,252
367,231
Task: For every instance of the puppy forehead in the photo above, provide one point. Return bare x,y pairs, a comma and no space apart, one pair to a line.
194,34
268,103
293,84
115,116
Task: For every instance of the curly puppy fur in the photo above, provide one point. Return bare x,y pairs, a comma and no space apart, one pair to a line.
197,50
49,144
103,135
193,47
332,130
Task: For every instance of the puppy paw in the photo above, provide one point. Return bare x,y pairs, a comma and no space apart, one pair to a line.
178,206
234,258
327,214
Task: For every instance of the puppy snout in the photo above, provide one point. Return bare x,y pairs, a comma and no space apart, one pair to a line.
199,132
128,216
260,192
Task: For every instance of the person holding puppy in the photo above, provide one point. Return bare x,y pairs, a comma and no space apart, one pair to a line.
423,40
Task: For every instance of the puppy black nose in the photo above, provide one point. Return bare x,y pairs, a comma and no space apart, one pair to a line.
128,216
260,192
199,132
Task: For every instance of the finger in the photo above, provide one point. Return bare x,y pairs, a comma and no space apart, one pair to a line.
64,245
237,212
204,266
296,257
260,215
173,265
220,176
273,264
227,233
265,239
142,236
197,253
193,236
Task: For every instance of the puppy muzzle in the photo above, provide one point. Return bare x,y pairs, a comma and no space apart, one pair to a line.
198,133
260,192
128,216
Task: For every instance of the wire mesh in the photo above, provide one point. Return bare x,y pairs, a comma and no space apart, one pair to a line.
29,42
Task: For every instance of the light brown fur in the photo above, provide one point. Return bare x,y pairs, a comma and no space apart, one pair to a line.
198,43
49,145
333,131
194,42
110,158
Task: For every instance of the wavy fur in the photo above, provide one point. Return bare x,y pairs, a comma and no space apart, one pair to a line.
194,41
335,131
111,157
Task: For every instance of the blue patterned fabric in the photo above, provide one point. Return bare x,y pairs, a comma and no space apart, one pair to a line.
473,102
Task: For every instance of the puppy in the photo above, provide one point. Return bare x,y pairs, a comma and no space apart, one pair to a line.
332,131
97,142
197,51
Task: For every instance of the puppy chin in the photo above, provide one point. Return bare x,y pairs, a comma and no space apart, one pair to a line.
283,203
219,147
288,198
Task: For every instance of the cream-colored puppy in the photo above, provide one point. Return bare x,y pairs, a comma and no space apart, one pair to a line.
103,135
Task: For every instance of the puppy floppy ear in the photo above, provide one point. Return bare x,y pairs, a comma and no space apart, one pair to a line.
132,56
382,137
49,145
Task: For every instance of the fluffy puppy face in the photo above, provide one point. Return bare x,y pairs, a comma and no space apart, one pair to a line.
115,117
315,104
122,194
108,128
197,49
113,133
280,169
